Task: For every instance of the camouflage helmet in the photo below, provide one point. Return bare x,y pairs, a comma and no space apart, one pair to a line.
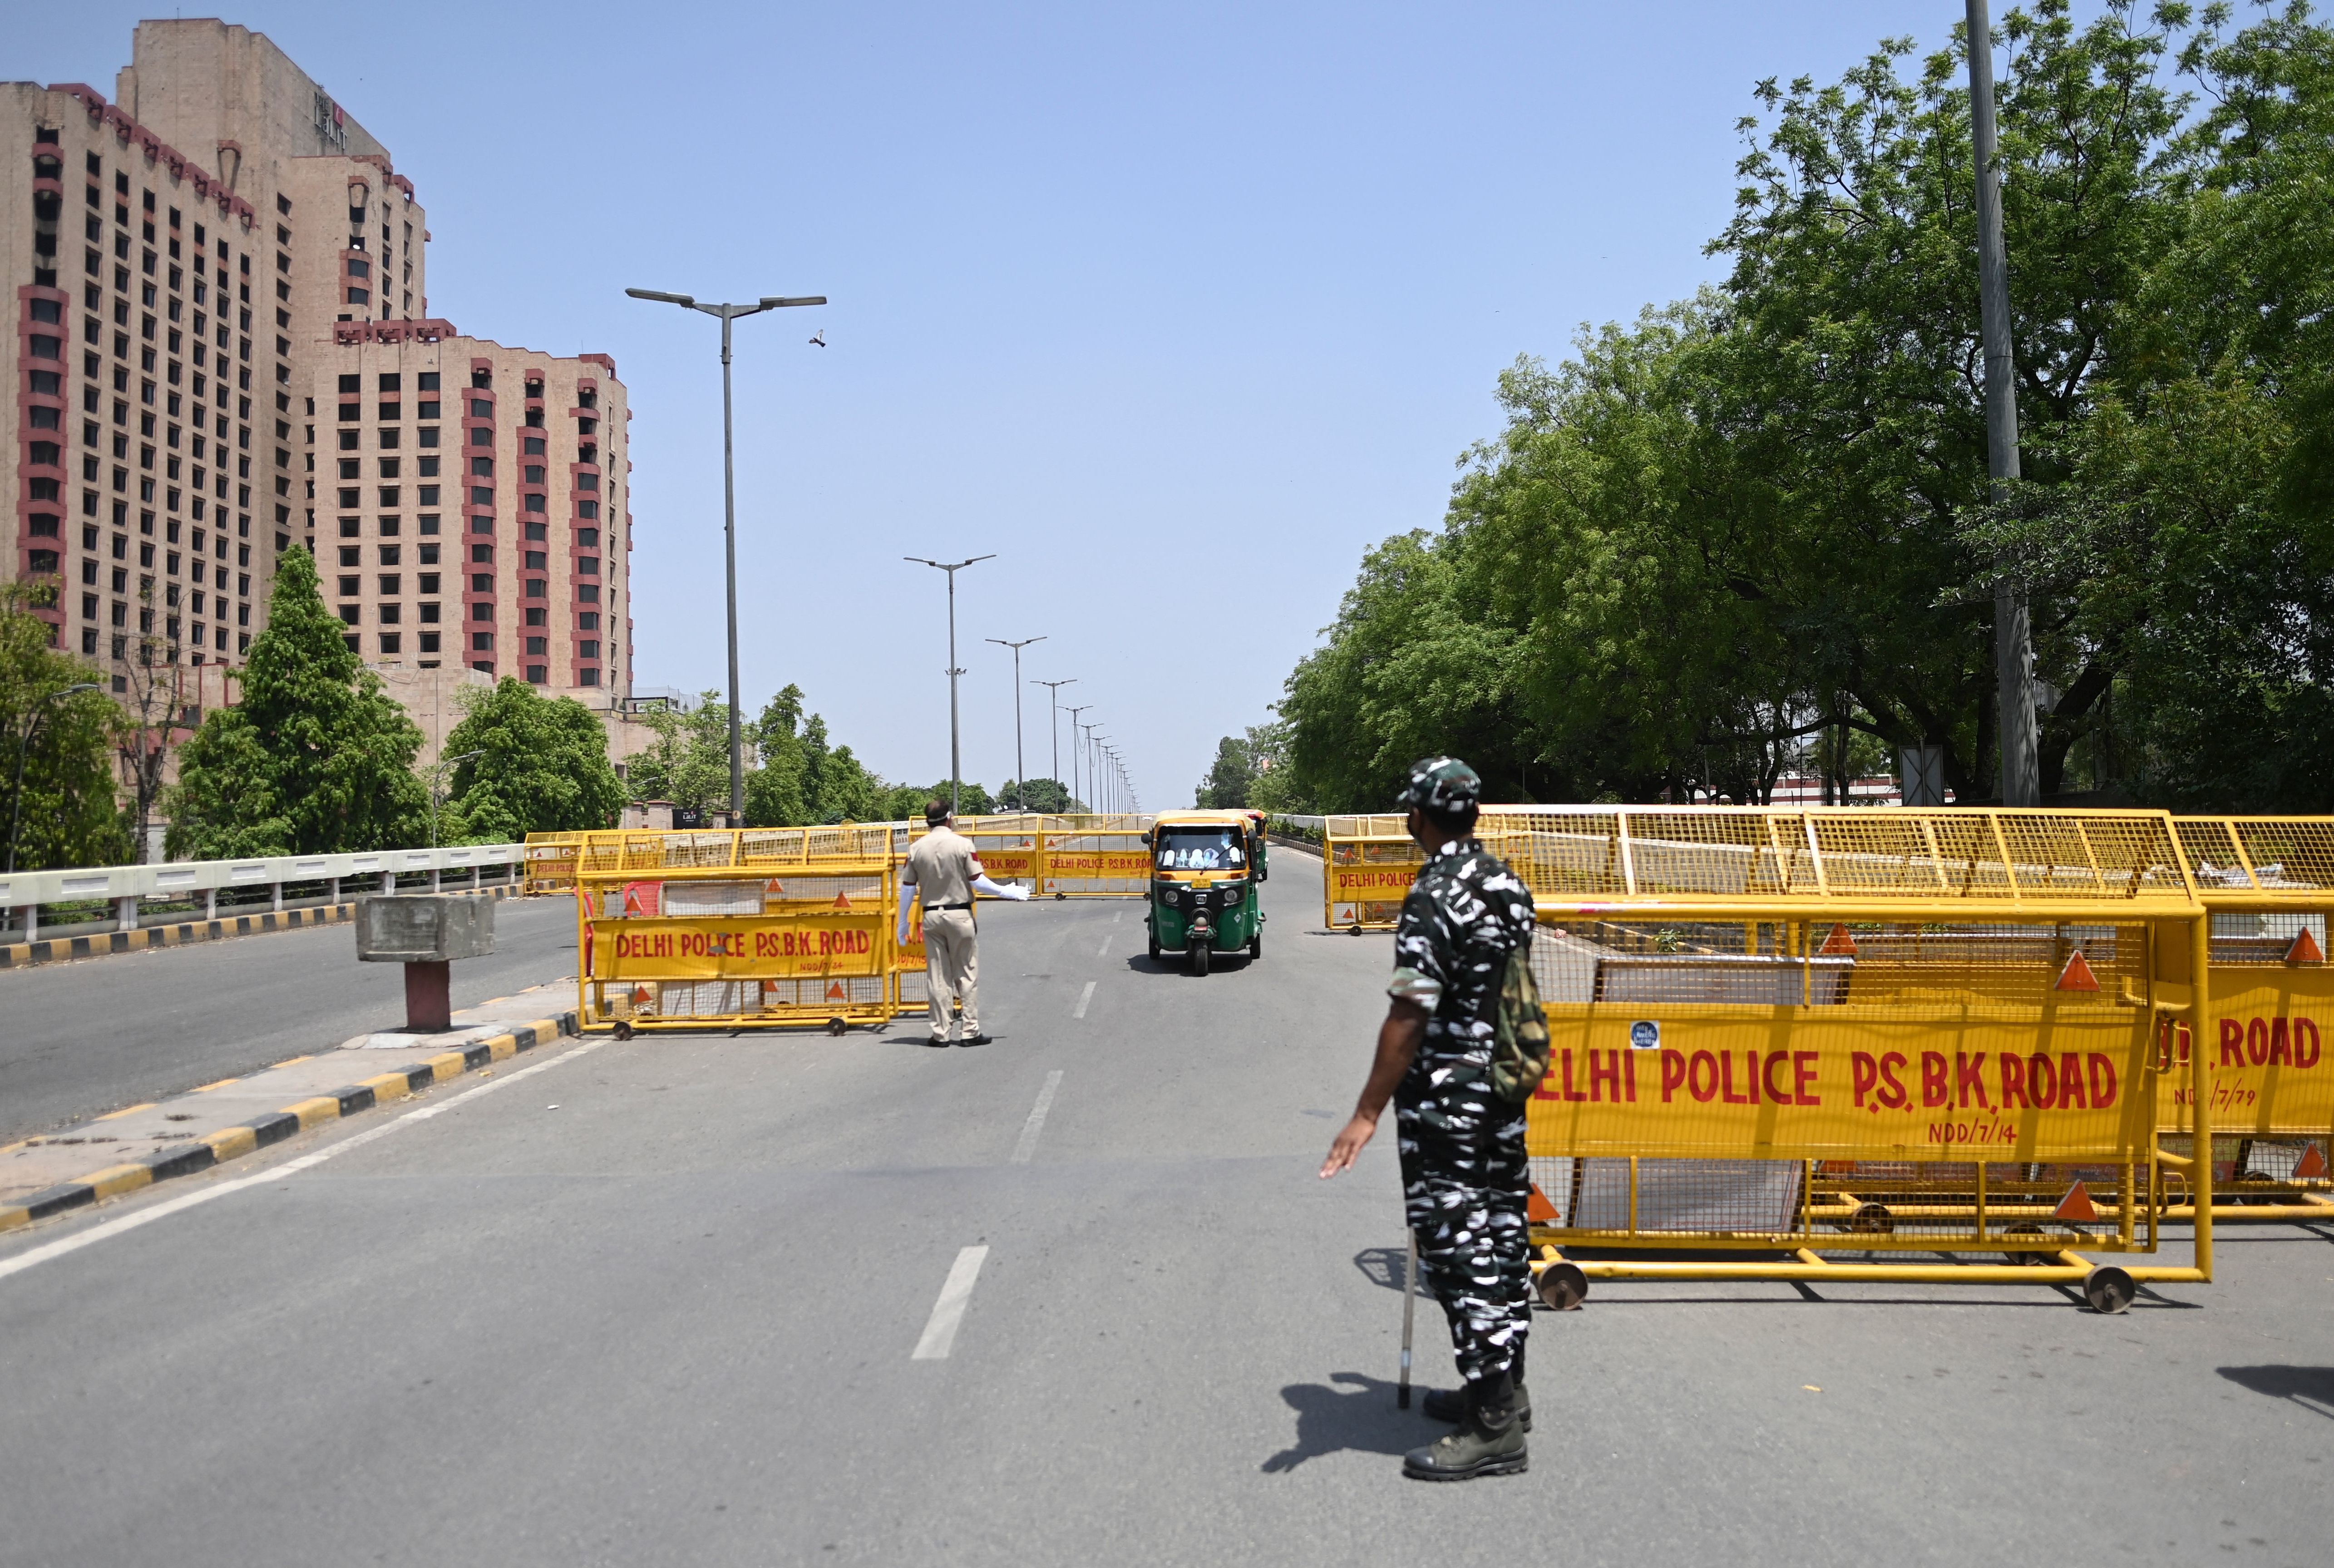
1444,785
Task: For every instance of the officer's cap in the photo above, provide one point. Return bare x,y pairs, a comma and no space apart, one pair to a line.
1444,784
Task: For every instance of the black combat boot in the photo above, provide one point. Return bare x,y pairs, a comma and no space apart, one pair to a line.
1489,1442
1450,1404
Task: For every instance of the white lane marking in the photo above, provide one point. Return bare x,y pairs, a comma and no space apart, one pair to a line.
1027,1145
1085,996
1103,949
948,1313
1115,920
128,1221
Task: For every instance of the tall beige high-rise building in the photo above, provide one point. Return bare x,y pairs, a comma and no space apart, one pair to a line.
223,341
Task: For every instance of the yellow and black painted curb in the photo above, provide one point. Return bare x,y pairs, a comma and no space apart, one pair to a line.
99,944
232,1143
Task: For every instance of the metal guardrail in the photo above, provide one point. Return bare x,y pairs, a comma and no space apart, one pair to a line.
125,887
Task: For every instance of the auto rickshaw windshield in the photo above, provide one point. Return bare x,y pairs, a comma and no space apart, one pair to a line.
1200,849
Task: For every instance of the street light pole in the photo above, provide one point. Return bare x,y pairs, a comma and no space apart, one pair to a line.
1073,713
1093,765
1021,768
729,313
34,713
956,765
2013,638
1053,716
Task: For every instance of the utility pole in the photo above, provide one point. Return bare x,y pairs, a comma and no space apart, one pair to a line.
729,313
956,764
1054,715
2013,638
1021,768
1075,793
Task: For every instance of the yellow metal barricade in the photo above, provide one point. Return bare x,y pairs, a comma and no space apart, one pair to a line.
751,927
550,863
1790,1032
1061,855
1367,865
2269,883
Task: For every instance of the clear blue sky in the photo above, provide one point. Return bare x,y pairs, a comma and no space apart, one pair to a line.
1174,309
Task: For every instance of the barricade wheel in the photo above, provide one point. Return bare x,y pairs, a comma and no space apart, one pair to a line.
2251,1198
1873,1219
2108,1289
2026,1259
1562,1286
623,1029
836,1026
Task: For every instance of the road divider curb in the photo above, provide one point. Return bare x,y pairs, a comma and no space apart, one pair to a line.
103,944
244,1137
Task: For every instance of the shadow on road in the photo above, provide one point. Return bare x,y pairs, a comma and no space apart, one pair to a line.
1383,1265
1175,966
1360,1417
2311,1387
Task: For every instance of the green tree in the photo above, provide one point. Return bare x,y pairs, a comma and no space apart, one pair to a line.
689,763
543,767
777,792
1044,795
315,758
65,814
1231,777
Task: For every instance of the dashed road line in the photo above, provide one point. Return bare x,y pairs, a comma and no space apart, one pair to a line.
948,1313
1027,1145
1085,996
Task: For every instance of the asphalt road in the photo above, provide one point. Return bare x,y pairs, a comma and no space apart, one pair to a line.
80,1039
660,1302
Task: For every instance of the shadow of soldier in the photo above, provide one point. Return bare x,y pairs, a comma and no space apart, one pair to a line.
1360,1416
2311,1387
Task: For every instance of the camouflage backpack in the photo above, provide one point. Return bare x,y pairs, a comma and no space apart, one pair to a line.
1519,1029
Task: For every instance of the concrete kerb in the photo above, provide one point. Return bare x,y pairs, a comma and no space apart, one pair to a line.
221,1145
104,944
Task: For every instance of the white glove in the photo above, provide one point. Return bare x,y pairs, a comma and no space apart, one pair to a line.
907,906
1012,891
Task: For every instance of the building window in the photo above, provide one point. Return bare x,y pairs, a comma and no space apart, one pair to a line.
390,641
359,298
587,677
538,675
482,642
536,647
351,613
351,555
429,642
538,616
536,588
587,565
535,561
351,586
429,612
588,649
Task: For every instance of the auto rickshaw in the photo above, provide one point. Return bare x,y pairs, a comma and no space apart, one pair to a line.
1204,869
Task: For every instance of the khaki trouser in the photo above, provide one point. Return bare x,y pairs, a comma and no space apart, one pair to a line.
952,969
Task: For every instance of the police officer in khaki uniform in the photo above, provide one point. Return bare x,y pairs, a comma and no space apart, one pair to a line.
944,868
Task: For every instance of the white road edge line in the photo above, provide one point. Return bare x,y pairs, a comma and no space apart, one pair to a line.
948,1313
1085,996
1027,1145
128,1221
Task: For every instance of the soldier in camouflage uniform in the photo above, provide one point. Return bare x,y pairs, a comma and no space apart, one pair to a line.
1465,1182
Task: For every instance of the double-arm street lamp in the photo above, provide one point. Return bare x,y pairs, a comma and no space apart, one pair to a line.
1021,768
1075,747
34,713
729,313
956,766
1054,713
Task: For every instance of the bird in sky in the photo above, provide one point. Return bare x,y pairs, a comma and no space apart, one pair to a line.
819,337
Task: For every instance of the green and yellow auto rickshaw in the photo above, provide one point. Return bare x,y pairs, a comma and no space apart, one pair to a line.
1204,870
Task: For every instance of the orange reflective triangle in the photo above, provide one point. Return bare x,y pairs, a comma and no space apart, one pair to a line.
2076,1205
842,901
1537,1209
639,995
776,888
834,992
2312,1164
1839,945
2304,950
2077,976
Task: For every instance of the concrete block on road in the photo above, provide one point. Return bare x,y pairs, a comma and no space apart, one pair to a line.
424,928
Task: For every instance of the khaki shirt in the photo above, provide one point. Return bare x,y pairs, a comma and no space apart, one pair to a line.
942,865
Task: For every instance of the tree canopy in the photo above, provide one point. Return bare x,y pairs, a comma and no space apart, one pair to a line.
65,814
541,767
1751,531
314,759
